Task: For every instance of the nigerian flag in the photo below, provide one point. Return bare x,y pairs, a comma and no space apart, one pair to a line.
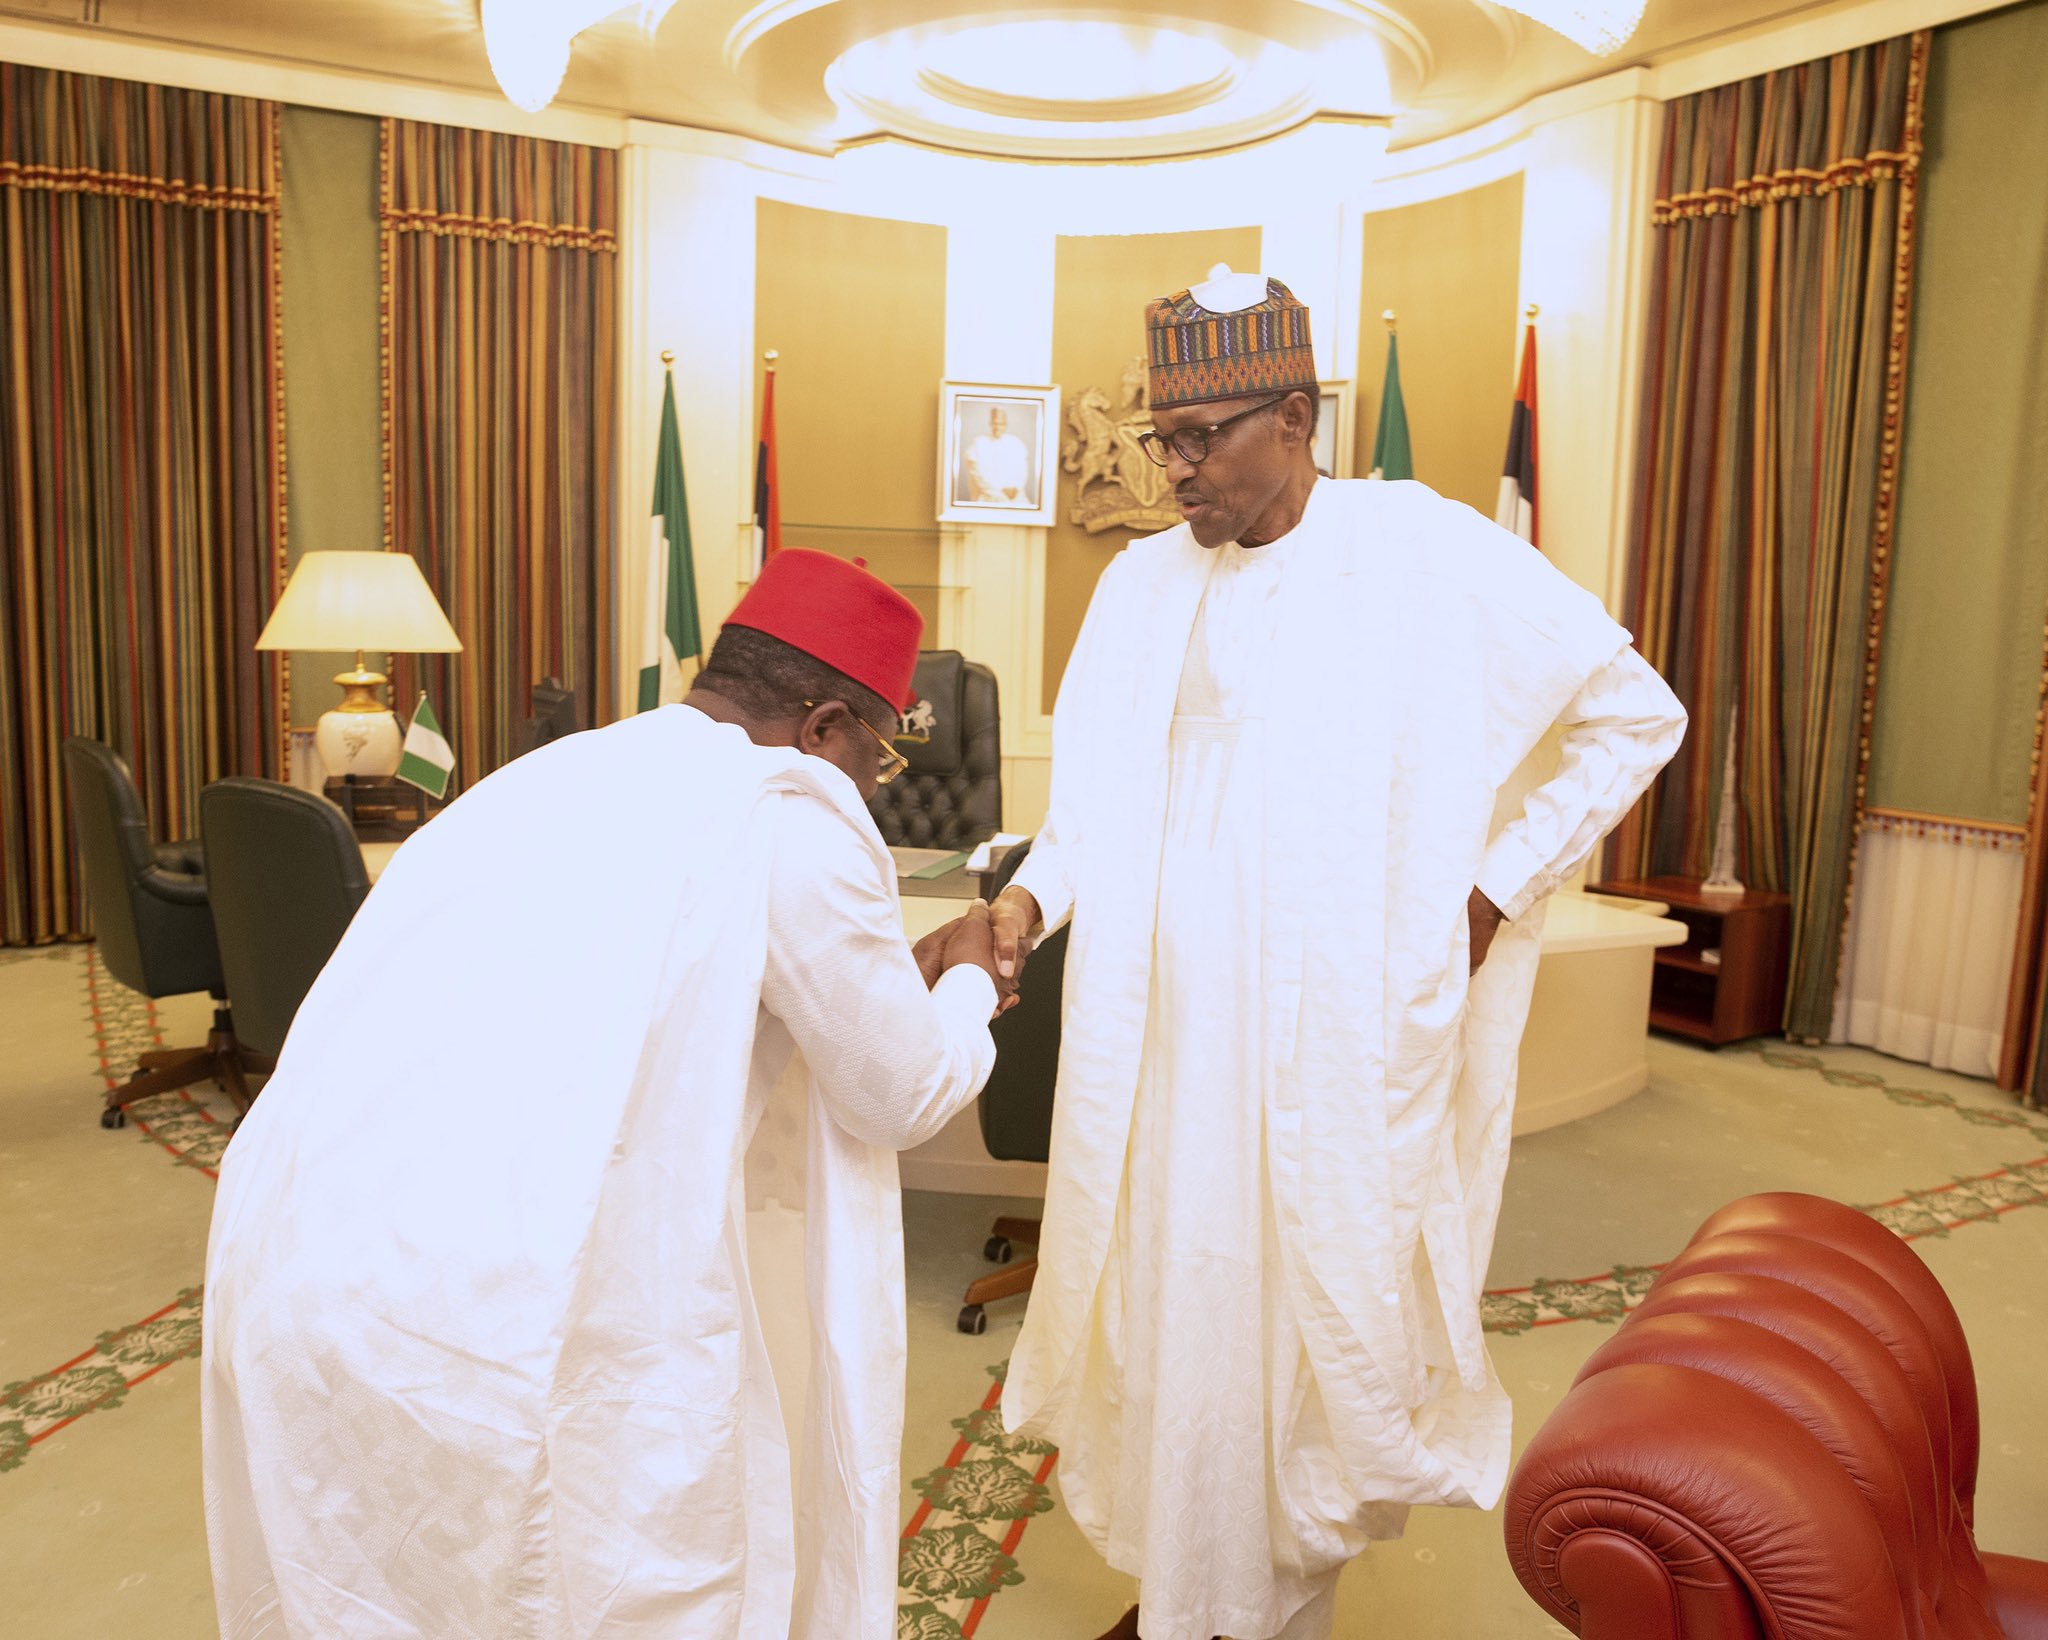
669,620
427,759
1391,457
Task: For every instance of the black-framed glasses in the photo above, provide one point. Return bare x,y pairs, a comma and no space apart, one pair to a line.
1191,444
893,761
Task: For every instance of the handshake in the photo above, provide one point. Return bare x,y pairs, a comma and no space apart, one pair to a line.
994,938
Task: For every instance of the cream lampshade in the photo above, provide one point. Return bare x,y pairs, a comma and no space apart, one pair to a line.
359,601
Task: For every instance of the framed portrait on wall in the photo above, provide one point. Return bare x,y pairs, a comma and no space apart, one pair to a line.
1334,444
998,453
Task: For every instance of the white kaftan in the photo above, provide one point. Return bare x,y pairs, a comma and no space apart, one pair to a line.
1207,1404
482,1357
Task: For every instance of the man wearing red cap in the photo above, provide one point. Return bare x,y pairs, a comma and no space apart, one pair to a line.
1287,822
483,1353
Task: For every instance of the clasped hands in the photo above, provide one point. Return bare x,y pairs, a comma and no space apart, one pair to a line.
984,936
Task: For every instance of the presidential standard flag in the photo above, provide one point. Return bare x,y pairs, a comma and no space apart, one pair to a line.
767,503
426,760
1391,457
669,630
1517,509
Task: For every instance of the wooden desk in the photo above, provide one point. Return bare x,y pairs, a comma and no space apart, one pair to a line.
1742,994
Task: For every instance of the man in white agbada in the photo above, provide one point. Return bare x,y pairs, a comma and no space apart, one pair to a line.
1286,1078
482,1355
998,464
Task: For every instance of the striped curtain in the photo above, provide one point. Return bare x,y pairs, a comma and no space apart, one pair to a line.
500,313
141,457
1767,469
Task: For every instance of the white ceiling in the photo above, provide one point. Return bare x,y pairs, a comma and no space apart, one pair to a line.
817,73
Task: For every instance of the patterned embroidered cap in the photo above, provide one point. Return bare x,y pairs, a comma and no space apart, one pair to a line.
1197,355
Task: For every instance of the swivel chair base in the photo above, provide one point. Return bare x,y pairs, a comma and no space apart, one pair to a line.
166,1070
1004,1283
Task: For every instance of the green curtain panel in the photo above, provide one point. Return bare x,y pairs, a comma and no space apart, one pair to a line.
500,318
1767,467
141,457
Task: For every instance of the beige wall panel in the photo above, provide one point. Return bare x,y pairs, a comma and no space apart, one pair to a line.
1100,287
1451,270
856,305
334,452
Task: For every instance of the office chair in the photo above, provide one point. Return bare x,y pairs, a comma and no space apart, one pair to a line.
1016,1105
951,795
285,875
153,924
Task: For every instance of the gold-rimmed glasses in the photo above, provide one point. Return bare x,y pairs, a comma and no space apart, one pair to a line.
893,761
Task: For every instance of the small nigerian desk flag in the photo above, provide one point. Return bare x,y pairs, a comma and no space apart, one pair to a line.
427,760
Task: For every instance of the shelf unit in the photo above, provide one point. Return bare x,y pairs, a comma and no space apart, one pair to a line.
1740,995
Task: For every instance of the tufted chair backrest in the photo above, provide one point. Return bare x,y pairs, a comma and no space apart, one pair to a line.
951,796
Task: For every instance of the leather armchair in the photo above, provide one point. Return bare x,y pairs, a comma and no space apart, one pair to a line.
1015,1106
951,796
152,921
1781,1442
286,877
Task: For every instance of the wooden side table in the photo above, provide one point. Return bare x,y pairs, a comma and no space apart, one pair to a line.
1739,990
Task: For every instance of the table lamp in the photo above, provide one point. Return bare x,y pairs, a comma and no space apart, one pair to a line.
359,601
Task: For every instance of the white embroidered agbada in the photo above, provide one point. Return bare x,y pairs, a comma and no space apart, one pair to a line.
482,1358
1283,1113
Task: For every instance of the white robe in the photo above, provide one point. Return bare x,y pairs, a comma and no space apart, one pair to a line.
482,1358
1283,1113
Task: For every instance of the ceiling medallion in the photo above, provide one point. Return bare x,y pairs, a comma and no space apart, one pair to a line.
1116,485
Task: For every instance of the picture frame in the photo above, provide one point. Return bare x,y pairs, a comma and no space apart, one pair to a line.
998,453
1335,448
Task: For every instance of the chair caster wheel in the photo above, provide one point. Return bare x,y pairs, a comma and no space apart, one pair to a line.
973,1320
113,1117
998,1250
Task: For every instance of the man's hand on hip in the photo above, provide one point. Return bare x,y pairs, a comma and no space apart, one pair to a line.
1483,918
1012,919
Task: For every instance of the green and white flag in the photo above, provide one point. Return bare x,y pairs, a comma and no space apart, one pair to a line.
1391,457
427,760
669,620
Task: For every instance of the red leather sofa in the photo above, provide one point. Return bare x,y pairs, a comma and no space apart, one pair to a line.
1780,1444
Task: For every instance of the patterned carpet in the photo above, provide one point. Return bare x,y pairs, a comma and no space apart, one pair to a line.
98,1438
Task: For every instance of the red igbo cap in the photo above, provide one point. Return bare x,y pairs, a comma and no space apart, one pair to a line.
838,613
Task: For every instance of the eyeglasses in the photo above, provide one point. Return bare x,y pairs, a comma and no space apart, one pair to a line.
1191,444
893,761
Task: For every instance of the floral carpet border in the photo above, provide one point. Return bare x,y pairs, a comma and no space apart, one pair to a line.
960,1548
125,1026
34,1409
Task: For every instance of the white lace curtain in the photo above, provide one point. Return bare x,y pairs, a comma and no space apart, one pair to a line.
1928,953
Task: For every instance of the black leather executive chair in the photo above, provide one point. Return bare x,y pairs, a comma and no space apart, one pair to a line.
285,874
152,921
1016,1105
951,796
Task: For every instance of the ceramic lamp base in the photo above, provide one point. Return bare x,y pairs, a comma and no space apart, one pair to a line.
359,743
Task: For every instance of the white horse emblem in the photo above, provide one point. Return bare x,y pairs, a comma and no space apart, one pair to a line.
919,722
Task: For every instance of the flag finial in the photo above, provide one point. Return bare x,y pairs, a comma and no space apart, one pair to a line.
1530,312
667,356
1389,316
771,356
